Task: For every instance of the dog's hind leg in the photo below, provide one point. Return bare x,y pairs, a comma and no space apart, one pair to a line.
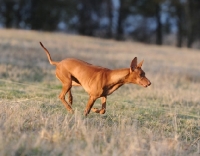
70,97
66,87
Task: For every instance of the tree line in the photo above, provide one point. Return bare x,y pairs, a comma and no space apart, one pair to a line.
147,21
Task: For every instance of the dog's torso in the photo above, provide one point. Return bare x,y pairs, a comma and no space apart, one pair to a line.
96,80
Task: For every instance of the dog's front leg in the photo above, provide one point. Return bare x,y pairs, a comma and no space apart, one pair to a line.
89,105
103,108
103,102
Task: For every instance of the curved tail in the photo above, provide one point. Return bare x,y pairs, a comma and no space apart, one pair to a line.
48,55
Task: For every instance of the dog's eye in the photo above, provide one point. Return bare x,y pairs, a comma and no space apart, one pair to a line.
142,74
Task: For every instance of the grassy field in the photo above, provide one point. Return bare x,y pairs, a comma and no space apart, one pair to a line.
163,119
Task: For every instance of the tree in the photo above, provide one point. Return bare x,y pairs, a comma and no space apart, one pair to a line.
192,12
88,16
42,15
123,12
176,10
186,14
109,5
106,19
151,9
7,11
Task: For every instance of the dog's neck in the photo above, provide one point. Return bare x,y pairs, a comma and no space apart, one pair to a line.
120,75
118,78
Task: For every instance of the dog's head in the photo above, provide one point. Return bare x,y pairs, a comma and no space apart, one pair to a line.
137,75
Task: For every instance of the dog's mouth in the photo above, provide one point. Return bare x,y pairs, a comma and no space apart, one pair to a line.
145,86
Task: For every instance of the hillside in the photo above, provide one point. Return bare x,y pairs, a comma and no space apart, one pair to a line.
162,119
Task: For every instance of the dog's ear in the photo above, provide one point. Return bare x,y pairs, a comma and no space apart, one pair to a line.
133,64
140,64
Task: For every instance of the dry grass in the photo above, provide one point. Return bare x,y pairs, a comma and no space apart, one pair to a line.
163,119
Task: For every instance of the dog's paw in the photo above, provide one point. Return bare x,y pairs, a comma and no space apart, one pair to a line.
86,113
71,111
96,110
102,111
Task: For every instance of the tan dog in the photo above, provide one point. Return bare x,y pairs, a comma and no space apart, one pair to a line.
97,81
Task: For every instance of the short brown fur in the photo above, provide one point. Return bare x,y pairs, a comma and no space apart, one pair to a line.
97,81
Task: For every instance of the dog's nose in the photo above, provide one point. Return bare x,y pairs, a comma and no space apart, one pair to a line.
149,83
